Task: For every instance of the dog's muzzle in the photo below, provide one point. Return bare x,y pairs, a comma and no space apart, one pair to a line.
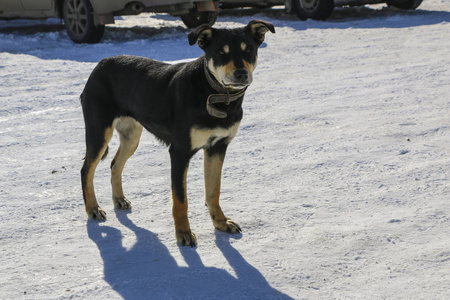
241,76
240,79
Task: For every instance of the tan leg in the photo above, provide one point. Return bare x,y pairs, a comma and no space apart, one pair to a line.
129,133
179,167
93,210
183,231
213,173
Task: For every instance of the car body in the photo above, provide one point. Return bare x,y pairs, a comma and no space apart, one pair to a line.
85,19
317,9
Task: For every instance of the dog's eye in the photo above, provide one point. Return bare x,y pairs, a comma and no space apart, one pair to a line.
248,50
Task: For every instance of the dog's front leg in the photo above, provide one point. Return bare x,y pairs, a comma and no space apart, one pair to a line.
213,163
179,168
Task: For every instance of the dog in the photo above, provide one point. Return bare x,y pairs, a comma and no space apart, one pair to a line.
187,106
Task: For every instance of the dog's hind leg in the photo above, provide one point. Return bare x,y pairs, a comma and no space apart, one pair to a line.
213,162
129,133
96,145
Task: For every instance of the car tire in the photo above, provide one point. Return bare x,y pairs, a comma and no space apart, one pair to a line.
79,22
197,18
405,4
313,9
288,7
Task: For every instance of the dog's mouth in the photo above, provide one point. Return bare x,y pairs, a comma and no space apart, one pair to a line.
234,86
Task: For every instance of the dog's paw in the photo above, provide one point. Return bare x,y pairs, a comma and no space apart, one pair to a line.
186,238
121,203
97,213
227,225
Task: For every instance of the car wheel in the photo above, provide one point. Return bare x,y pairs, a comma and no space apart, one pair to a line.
197,18
405,4
79,21
313,9
288,7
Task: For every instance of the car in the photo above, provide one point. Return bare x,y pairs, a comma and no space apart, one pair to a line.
85,19
317,9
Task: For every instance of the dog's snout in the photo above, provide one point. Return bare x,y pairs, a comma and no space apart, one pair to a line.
241,75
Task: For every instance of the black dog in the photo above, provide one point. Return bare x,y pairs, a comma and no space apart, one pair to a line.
188,106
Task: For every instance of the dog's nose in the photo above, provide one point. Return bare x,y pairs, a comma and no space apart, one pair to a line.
241,75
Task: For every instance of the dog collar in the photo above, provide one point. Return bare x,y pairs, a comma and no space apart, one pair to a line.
223,96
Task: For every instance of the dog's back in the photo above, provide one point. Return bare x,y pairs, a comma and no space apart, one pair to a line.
130,86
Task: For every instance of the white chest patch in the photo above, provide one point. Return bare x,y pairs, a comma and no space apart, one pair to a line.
205,138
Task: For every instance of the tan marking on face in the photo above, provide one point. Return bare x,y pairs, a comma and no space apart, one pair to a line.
243,46
226,49
222,72
201,138
249,67
229,68
213,70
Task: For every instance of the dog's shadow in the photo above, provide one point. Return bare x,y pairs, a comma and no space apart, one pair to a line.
148,271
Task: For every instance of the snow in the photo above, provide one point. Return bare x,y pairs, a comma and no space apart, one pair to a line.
339,174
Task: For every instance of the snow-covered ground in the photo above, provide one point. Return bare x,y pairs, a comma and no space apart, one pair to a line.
339,175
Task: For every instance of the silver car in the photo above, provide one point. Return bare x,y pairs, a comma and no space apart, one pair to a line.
317,9
85,19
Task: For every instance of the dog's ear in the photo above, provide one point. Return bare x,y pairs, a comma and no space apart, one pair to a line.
259,29
202,34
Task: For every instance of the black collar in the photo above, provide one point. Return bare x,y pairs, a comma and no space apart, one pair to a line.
223,96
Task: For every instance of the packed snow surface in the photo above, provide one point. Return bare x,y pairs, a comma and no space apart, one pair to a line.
339,174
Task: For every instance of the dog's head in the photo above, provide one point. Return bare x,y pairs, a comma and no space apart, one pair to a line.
231,54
